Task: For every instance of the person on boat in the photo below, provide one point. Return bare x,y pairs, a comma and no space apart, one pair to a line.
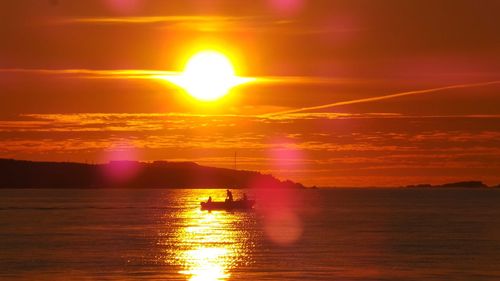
209,199
229,195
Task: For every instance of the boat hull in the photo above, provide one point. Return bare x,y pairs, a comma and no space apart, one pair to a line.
234,205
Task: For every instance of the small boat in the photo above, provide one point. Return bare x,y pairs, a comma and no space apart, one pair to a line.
228,205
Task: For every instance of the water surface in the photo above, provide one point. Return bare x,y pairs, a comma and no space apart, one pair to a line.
344,234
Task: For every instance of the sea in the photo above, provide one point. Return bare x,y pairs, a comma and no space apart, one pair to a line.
321,234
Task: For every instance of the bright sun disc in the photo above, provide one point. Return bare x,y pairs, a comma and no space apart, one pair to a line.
208,76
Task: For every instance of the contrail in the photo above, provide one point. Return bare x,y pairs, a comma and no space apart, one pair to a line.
409,93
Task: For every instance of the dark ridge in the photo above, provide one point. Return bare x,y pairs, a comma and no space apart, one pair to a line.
462,184
130,174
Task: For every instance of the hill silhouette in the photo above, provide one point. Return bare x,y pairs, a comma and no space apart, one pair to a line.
461,184
129,174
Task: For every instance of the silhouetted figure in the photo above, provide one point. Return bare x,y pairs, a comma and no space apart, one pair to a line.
209,199
245,198
229,195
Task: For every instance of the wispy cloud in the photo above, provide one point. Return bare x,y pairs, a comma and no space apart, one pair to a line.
384,97
217,23
309,80
312,148
164,75
142,122
377,115
96,73
157,19
204,23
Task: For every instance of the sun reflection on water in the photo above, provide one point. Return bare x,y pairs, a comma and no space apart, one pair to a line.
213,242
209,246
206,264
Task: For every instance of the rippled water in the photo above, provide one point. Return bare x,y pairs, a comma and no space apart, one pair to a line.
345,234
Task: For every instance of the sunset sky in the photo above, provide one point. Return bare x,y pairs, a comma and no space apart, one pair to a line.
340,93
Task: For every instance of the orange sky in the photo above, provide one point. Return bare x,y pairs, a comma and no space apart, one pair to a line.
349,93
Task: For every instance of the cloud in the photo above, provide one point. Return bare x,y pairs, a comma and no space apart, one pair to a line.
324,145
384,97
204,23
156,19
375,115
263,23
141,122
94,73
308,80
164,74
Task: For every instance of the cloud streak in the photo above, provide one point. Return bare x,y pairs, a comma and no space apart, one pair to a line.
156,19
203,23
165,74
318,147
384,97
93,73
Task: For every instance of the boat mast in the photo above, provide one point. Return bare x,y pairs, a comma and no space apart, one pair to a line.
235,160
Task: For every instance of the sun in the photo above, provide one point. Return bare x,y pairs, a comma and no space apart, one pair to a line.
208,76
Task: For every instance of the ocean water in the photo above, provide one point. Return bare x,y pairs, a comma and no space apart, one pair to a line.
341,234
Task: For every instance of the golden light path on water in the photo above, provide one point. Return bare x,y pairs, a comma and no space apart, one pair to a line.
210,259
208,245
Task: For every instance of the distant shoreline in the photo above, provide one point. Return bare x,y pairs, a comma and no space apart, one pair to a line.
131,174
461,184
24,174
453,185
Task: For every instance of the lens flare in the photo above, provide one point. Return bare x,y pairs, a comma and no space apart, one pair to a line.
122,164
283,227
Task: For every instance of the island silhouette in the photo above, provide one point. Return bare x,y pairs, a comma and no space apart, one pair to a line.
131,174
460,184
158,174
